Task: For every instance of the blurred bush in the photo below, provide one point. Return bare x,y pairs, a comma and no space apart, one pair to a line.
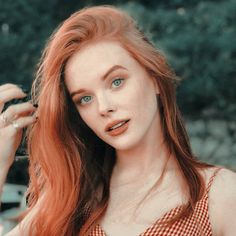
199,41
197,37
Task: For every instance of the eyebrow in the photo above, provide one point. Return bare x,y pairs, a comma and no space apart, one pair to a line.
113,68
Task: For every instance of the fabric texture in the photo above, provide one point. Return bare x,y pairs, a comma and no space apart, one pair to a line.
197,224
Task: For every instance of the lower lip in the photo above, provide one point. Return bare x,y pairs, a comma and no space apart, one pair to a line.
119,130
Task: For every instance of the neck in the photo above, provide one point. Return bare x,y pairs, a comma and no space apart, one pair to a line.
146,159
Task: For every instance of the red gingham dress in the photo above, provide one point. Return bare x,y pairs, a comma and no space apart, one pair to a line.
183,227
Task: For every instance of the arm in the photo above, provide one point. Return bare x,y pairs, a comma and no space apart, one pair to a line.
12,121
3,175
16,231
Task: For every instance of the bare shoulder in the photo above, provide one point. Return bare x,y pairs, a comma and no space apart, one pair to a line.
23,227
15,232
222,201
20,229
223,187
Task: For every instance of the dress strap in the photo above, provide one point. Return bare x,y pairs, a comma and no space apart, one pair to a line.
212,179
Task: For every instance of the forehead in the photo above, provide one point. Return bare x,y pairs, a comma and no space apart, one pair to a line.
96,58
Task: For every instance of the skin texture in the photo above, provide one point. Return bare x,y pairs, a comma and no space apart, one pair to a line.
20,113
134,98
137,149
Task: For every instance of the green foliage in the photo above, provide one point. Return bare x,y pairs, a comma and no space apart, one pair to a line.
197,37
24,28
199,42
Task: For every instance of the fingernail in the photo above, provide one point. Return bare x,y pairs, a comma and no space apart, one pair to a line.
35,105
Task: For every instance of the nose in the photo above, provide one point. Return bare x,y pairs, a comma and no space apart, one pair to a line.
105,105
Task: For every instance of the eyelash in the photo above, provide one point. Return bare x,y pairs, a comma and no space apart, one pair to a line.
117,79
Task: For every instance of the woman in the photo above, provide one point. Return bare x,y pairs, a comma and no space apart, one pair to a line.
109,154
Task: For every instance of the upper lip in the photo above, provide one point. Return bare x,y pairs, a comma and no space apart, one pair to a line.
111,124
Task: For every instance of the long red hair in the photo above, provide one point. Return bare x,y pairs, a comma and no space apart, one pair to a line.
70,167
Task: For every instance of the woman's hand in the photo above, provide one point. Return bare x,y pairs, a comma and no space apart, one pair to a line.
12,121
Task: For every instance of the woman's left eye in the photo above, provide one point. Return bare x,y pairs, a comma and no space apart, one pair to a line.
117,82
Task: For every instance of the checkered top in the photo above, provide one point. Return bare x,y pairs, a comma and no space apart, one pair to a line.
197,224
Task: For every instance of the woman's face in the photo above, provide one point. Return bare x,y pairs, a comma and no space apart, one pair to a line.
110,88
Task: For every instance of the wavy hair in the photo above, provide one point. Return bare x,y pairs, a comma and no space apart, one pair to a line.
70,167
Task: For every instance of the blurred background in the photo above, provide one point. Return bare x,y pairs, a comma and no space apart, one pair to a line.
197,37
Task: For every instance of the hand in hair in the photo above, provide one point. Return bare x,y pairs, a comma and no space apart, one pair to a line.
12,121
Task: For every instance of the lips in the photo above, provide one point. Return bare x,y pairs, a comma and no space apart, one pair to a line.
118,128
115,124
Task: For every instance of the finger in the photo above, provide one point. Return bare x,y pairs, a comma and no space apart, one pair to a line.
15,111
21,123
7,86
9,94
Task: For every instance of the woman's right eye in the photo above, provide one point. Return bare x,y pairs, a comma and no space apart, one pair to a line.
85,100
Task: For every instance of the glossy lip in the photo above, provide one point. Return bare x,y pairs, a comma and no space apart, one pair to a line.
119,130
111,124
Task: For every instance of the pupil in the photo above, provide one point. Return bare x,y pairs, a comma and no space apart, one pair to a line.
117,82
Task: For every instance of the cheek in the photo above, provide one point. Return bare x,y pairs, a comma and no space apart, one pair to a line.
87,117
142,98
91,119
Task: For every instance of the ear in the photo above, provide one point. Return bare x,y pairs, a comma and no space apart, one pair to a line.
157,90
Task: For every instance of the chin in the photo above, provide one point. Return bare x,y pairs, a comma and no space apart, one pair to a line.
124,144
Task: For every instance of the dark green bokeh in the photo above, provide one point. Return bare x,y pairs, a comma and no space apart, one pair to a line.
198,38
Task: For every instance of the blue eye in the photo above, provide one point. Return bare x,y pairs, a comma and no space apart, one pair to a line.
117,82
85,99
